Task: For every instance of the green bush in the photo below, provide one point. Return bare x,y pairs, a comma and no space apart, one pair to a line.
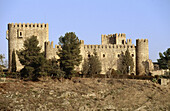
154,80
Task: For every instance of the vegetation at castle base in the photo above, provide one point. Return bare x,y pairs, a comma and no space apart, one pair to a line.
52,69
126,62
164,61
32,59
92,65
70,53
14,68
3,63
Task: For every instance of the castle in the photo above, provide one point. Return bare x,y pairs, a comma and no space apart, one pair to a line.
109,52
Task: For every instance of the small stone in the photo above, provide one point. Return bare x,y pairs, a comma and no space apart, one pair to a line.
51,92
17,93
66,102
21,100
109,107
49,98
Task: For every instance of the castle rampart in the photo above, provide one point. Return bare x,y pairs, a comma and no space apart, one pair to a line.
51,51
110,52
28,25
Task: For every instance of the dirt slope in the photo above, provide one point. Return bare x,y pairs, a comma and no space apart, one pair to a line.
84,95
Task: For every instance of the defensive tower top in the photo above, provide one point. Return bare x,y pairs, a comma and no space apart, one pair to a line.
114,38
28,25
114,35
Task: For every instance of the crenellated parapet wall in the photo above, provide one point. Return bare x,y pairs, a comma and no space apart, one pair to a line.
129,41
51,51
143,41
82,42
28,25
109,46
123,35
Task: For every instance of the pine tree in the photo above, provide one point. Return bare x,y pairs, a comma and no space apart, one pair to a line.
164,61
92,65
70,53
2,57
127,61
85,67
53,70
31,58
13,62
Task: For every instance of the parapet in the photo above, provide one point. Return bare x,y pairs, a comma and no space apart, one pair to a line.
142,40
57,46
82,41
115,46
129,41
122,35
114,35
28,25
48,44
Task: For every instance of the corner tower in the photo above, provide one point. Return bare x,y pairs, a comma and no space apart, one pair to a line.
18,33
142,55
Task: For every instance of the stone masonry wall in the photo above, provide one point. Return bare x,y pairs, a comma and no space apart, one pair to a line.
109,55
18,33
142,55
109,52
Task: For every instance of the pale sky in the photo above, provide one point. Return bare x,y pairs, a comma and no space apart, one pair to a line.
90,18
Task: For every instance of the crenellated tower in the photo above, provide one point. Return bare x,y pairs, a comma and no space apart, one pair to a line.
119,39
142,55
17,33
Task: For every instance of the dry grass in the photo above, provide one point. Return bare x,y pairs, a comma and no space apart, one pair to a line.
84,94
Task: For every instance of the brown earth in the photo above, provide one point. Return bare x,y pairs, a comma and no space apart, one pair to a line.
84,94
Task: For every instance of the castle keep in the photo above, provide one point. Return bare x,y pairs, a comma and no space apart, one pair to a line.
109,52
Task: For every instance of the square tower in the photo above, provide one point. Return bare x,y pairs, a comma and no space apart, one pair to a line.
18,33
119,39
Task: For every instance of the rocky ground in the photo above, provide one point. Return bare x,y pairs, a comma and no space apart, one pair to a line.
84,94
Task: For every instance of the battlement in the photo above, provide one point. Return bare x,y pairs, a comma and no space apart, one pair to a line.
82,41
109,46
57,46
51,45
129,41
48,44
28,25
142,40
114,35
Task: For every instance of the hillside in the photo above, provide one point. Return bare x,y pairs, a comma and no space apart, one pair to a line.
84,94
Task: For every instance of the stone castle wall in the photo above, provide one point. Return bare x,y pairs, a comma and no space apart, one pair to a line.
51,51
18,33
109,55
110,51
